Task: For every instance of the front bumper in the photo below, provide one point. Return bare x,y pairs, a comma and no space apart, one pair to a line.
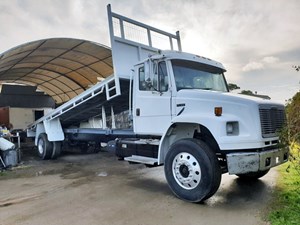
241,163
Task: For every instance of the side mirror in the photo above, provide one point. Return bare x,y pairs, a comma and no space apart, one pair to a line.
147,70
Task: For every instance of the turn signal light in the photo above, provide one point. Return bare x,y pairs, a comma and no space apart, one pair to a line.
218,111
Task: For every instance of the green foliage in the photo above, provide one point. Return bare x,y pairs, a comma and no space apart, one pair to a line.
293,117
233,87
286,206
247,92
291,133
3,173
297,68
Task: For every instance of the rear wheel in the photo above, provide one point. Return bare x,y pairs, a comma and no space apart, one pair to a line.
253,175
45,147
57,146
192,170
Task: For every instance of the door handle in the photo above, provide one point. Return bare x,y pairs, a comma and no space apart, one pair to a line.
137,111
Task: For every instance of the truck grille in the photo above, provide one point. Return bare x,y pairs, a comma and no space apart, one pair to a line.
272,119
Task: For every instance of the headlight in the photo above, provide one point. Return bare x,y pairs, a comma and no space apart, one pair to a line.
232,128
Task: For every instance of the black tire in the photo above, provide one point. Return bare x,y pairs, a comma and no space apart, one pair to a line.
45,147
192,170
217,173
253,175
57,146
84,147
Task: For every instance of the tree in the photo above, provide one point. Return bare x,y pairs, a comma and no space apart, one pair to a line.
291,133
247,92
297,68
293,117
233,86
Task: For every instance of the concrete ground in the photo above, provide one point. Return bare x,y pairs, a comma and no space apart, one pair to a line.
99,189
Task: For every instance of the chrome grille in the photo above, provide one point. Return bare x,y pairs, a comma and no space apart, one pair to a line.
272,119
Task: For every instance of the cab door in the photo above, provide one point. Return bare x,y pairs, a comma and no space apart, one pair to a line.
152,98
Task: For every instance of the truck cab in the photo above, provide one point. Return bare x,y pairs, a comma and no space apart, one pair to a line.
159,81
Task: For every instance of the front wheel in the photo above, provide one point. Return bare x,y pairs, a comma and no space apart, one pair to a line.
192,170
253,175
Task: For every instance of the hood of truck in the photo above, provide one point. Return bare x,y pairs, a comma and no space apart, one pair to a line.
222,97
198,106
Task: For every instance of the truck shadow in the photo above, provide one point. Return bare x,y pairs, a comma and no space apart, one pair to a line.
233,192
241,193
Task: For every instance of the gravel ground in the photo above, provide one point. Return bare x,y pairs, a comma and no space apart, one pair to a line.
98,189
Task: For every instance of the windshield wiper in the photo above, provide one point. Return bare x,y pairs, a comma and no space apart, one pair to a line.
205,88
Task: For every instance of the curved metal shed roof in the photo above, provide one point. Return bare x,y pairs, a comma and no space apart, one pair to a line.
61,67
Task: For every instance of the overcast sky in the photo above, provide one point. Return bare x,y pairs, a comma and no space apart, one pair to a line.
257,41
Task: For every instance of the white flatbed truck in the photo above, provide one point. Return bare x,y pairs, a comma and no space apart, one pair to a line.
180,112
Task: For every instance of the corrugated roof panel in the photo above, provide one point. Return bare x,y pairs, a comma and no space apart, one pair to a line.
56,68
24,82
28,65
68,82
79,78
72,94
33,80
37,59
10,77
53,88
39,76
62,86
15,58
47,73
27,47
64,97
62,67
62,43
89,73
108,61
54,52
72,65
101,68
92,49
80,57
56,98
4,68
17,71
46,90
78,92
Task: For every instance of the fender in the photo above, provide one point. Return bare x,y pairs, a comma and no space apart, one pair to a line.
52,128
185,125
174,133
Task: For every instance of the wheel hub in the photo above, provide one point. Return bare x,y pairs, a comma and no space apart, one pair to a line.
41,146
186,170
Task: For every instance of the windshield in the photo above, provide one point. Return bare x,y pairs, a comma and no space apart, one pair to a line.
195,75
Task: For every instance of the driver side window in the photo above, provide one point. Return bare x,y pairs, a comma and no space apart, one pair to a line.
163,81
158,80
142,80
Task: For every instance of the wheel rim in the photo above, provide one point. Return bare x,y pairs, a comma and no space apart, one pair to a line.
41,146
186,170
